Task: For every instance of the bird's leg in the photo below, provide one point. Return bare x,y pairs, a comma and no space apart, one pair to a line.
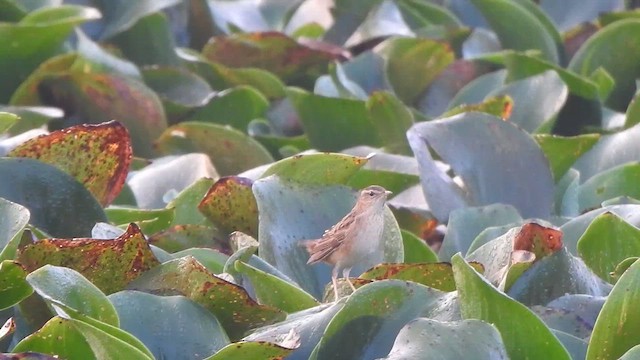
334,281
345,274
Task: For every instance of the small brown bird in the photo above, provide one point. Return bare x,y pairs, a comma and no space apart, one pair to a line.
353,238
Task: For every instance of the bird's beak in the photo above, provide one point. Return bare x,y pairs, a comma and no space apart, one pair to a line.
388,192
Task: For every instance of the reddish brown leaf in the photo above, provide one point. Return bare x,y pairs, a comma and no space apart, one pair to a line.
231,206
98,156
109,264
272,51
540,240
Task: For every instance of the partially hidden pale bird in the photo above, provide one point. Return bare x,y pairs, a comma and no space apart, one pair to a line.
353,238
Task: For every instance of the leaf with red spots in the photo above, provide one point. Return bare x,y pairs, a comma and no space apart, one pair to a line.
231,206
436,275
251,350
89,95
293,62
538,239
230,303
98,156
183,237
230,150
108,264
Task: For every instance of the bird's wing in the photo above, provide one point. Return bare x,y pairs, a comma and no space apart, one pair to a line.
332,239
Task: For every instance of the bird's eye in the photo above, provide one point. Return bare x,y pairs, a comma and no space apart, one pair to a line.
371,193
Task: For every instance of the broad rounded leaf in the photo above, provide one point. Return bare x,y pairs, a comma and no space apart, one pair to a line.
562,152
13,220
13,286
320,168
58,204
172,327
230,205
523,333
98,156
493,158
251,350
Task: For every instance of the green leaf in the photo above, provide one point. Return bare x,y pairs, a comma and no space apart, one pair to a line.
432,339
413,63
391,119
7,120
270,290
418,14
65,207
98,156
81,341
562,152
236,107
211,259
250,350
230,150
13,286
185,204
13,220
618,181
230,206
523,333
617,324
63,286
526,33
333,124
228,302
499,106
622,267
616,38
150,221
317,169
184,237
383,308
416,250
108,264
607,242
434,275
172,327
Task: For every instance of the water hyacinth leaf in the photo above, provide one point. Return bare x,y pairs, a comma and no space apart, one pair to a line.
574,228
228,302
81,340
536,287
13,220
391,119
171,327
536,100
435,275
291,212
607,242
179,89
251,350
617,314
431,339
7,120
185,204
51,26
270,290
593,55
120,17
108,264
64,208
419,14
411,64
523,333
230,150
156,185
518,36
562,152
98,156
611,183
574,314
231,206
236,107
465,224
318,168
211,259
289,60
494,163
31,117
476,91
416,250
149,221
334,124
61,285
622,267
13,286
498,106
383,307
183,237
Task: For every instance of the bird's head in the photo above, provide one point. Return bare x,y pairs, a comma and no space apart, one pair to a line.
373,194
